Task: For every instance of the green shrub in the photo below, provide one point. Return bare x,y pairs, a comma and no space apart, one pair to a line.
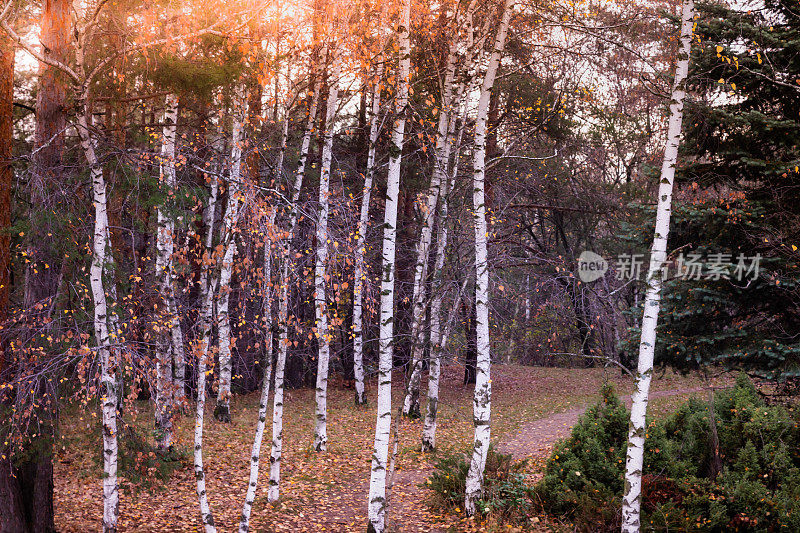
506,496
751,484
142,465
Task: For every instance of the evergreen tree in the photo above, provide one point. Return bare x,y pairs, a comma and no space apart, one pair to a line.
739,197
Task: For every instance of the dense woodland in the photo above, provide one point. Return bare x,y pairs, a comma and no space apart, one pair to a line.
205,200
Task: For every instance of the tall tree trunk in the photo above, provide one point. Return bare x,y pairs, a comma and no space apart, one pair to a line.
320,302
105,323
255,454
222,411
165,247
34,473
6,173
207,289
359,275
411,400
283,307
437,290
481,404
377,482
12,509
634,462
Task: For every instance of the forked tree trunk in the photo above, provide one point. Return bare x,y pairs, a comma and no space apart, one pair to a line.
320,302
207,290
255,453
104,322
439,334
434,366
631,499
481,403
377,482
359,275
222,412
442,156
165,247
444,144
283,307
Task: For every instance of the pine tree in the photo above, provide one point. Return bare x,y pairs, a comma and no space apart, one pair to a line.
741,193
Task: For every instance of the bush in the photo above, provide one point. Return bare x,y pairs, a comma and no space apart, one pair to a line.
751,482
141,464
506,496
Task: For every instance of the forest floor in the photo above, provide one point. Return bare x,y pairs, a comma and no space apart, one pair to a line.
532,408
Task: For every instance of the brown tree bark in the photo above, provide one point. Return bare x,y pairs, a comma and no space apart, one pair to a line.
6,172
11,509
43,271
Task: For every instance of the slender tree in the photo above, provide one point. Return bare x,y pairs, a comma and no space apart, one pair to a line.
208,282
320,276
283,306
222,411
634,462
441,159
482,401
383,423
255,453
359,274
165,248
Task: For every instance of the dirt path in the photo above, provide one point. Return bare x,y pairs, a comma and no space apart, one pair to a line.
537,438
534,439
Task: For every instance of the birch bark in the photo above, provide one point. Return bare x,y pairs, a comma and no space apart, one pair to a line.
481,404
320,302
359,276
283,308
434,364
222,412
444,144
165,248
377,482
411,400
104,323
207,289
631,499
255,454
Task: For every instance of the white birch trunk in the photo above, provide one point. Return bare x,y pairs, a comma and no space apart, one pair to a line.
104,324
320,302
481,404
411,400
434,368
222,412
377,482
255,454
438,335
207,289
631,499
359,276
283,307
165,247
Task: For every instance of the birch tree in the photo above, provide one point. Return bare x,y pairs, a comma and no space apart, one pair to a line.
634,461
207,289
165,247
255,453
441,159
320,302
481,403
283,308
411,400
377,482
222,412
434,364
359,274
